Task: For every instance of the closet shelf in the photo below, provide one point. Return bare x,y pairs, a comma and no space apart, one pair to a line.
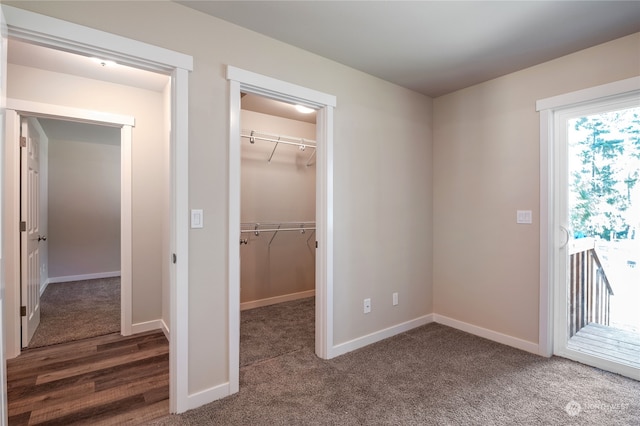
302,143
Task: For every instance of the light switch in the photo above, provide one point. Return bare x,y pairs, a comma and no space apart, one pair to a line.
197,218
524,216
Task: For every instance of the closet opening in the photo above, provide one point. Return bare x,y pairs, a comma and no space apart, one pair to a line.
277,229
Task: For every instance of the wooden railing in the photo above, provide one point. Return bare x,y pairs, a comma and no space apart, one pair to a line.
589,288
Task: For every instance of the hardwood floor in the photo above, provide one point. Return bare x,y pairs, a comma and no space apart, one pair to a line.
105,380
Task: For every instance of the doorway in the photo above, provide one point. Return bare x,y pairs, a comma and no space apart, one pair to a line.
277,241
249,82
599,215
590,158
79,237
17,110
54,33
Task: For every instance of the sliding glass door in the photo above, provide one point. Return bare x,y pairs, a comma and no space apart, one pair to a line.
597,188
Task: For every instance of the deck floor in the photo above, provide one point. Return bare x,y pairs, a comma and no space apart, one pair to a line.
607,342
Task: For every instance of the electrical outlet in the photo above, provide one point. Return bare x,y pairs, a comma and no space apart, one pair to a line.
367,306
395,299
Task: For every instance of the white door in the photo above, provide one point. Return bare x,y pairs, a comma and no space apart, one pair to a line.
597,190
30,228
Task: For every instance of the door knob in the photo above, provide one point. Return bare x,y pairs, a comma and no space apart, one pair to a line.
42,238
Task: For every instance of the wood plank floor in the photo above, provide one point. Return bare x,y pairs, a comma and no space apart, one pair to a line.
607,342
105,380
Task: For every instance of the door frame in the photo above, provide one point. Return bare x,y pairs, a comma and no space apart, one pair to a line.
17,108
551,234
4,417
62,35
246,81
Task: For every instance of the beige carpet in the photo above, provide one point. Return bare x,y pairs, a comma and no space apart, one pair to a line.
272,331
432,375
78,310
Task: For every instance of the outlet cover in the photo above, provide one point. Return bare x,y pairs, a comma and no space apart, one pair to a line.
367,306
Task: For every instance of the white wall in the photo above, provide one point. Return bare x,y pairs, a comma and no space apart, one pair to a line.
282,190
486,166
147,163
84,204
382,172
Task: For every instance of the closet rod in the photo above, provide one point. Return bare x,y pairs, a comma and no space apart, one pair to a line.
302,142
272,224
275,227
306,228
257,227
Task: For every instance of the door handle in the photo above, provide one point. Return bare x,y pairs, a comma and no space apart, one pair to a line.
42,238
566,231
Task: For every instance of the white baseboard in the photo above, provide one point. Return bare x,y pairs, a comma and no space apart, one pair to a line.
44,286
206,396
488,334
278,299
363,341
141,327
68,278
223,390
165,330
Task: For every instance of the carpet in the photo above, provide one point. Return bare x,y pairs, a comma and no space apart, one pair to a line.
431,375
78,310
272,331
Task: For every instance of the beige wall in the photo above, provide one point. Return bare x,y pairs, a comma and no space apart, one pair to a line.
486,166
382,172
147,163
84,205
282,190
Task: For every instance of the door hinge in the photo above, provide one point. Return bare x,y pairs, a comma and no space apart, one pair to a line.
23,141
174,258
23,311
316,244
23,226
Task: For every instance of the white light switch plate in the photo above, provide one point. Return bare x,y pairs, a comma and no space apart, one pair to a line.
524,216
197,218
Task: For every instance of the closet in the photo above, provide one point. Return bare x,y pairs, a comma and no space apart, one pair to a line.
278,203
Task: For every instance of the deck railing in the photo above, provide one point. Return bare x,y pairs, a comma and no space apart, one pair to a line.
589,288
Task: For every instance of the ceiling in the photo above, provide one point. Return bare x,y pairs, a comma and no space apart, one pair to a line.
434,47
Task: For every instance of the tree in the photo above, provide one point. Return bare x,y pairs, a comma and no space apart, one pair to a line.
607,147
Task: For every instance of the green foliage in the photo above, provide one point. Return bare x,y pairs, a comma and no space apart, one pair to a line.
604,167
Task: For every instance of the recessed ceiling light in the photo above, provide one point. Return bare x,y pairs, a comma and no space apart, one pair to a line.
304,109
103,62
